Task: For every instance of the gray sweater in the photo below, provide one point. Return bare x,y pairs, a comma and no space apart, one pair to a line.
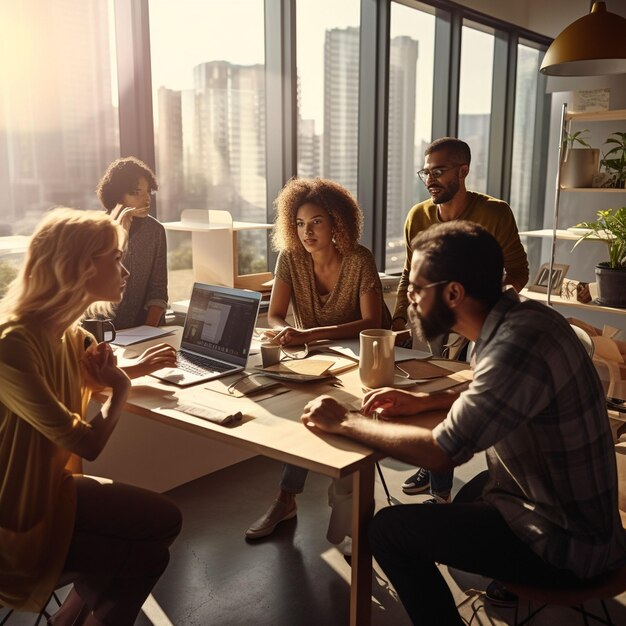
146,260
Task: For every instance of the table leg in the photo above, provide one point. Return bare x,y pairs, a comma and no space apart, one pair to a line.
362,511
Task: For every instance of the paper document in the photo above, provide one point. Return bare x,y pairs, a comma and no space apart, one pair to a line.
130,336
351,348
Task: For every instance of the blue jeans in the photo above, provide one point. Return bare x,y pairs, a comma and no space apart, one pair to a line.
441,483
293,478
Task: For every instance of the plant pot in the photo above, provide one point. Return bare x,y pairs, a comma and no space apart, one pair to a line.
611,285
579,167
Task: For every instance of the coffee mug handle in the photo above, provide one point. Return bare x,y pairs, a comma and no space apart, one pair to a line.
111,328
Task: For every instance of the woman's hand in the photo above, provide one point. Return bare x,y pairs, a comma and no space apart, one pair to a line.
289,336
389,402
154,358
101,370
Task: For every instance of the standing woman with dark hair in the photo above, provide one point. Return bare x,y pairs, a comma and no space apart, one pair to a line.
111,540
125,190
335,292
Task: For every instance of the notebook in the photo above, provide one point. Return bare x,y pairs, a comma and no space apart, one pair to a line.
216,336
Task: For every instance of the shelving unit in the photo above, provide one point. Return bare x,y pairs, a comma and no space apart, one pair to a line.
555,234
214,248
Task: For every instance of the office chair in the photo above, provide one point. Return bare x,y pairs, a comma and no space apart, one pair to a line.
600,588
66,579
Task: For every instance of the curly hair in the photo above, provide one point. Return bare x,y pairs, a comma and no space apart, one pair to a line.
122,177
59,262
337,201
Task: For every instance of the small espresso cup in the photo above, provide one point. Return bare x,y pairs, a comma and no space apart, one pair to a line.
270,354
102,330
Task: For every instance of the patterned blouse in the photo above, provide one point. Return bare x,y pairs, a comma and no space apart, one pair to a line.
358,275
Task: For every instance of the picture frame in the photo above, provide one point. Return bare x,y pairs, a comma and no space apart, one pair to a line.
540,283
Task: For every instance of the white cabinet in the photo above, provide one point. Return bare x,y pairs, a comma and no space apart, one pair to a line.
214,245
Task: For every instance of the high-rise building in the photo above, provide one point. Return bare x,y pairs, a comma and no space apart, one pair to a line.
401,133
341,106
59,132
229,137
169,145
474,130
309,146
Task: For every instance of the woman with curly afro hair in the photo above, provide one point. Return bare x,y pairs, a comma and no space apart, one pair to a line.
335,292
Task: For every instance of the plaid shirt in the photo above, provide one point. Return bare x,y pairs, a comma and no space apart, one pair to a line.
536,405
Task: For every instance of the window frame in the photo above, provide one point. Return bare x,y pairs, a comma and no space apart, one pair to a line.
135,105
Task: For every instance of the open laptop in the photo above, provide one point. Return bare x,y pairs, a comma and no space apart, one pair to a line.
217,335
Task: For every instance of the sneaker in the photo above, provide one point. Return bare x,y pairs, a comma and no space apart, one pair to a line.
436,499
277,513
498,595
418,483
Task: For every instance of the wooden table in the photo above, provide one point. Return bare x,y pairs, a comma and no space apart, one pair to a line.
272,427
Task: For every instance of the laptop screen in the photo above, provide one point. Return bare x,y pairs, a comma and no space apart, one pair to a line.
220,322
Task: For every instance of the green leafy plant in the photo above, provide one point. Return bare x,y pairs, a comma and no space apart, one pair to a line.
572,138
615,159
610,227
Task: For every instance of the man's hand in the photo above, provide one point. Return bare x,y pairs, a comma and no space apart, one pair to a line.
389,402
154,358
324,413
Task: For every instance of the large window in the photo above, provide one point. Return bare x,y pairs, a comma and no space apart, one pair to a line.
411,63
475,89
58,112
328,85
202,122
522,166
208,80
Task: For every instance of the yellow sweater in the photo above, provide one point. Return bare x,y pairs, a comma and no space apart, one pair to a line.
492,214
42,400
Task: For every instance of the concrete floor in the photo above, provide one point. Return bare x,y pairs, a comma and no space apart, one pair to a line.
294,577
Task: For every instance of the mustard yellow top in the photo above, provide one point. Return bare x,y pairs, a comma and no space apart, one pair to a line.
42,400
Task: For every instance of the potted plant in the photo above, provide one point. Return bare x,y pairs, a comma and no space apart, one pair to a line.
579,165
610,227
614,161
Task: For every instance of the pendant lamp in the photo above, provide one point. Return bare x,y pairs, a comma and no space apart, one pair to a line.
593,45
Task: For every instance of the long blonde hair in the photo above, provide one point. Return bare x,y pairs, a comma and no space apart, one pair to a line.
58,264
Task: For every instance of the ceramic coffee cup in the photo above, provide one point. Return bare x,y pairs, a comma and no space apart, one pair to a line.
377,358
102,330
270,354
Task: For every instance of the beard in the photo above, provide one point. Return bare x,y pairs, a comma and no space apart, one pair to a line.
439,321
447,192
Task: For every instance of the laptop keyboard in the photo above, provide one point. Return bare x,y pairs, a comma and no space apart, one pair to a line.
200,365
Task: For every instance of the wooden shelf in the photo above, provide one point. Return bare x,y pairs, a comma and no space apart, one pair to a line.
597,116
592,190
559,301
564,235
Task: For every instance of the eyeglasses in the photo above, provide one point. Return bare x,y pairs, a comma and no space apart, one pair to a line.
435,173
416,290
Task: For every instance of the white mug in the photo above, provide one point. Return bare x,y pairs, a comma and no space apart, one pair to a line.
377,358
270,354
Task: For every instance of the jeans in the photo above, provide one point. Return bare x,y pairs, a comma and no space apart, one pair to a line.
293,478
441,483
339,500
410,539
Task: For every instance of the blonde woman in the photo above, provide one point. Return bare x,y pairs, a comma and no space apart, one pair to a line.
111,539
335,292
